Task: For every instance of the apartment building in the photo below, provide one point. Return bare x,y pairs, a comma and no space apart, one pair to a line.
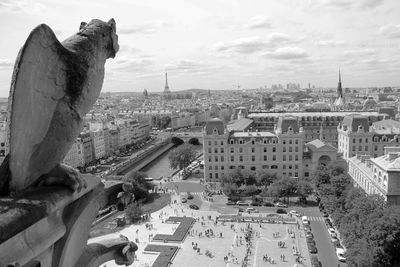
279,152
357,137
75,156
378,176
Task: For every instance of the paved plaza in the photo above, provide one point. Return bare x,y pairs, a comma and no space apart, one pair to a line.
228,250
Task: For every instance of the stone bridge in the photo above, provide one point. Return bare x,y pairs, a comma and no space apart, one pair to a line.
186,136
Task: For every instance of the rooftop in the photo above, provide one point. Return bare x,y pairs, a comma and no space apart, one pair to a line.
389,162
312,114
253,134
239,125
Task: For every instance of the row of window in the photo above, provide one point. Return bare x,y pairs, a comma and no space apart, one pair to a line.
253,158
216,143
253,149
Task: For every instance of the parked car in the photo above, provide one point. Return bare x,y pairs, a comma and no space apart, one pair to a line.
183,200
190,196
328,222
307,228
331,231
194,207
252,210
315,262
310,241
281,205
309,234
268,204
340,254
231,203
256,203
325,214
294,213
312,248
240,210
281,211
242,203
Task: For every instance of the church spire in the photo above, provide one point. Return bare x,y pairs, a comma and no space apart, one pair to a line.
339,89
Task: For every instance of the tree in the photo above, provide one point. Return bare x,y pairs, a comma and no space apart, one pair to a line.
194,141
182,156
141,187
177,141
133,212
265,178
304,189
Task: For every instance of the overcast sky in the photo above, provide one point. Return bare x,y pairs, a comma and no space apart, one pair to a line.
219,44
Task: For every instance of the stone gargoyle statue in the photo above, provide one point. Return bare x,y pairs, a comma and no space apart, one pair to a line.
53,86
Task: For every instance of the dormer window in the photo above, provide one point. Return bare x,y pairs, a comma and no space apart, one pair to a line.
215,131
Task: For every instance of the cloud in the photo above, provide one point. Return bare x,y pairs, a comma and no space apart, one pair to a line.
255,44
132,64
390,30
287,53
359,52
331,42
258,22
128,49
148,28
5,64
28,6
351,4
190,66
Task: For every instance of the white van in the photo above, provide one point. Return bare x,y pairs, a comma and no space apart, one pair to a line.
305,220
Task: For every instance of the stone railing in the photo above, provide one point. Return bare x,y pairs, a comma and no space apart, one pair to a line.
50,227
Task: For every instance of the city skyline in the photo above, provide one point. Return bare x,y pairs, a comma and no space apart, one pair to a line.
223,44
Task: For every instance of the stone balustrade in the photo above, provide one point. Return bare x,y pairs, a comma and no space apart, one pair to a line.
49,226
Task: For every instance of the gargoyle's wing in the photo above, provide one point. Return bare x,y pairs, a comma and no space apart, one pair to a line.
38,82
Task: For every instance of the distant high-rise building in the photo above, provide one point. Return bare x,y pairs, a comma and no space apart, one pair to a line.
145,93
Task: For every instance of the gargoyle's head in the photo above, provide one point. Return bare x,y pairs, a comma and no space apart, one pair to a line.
104,33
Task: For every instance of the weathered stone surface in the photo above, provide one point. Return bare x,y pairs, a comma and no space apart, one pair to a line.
53,86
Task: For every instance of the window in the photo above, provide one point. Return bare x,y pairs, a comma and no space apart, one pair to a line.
274,167
296,174
253,158
354,140
274,149
284,149
284,157
216,158
273,158
265,166
306,174
290,157
209,150
231,167
359,148
210,168
240,158
284,167
210,175
296,141
216,176
232,142
366,140
209,159
222,143
216,143
265,157
216,168
240,142
222,168
376,147
265,149
296,149
209,143
232,158
296,166
253,168
296,157
354,148
232,150
252,142
215,150
253,150
222,158
366,148
290,141
290,149
240,150
284,142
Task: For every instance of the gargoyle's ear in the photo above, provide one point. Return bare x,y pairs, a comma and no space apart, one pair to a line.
83,24
111,22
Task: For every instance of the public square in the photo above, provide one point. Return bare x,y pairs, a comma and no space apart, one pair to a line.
226,240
